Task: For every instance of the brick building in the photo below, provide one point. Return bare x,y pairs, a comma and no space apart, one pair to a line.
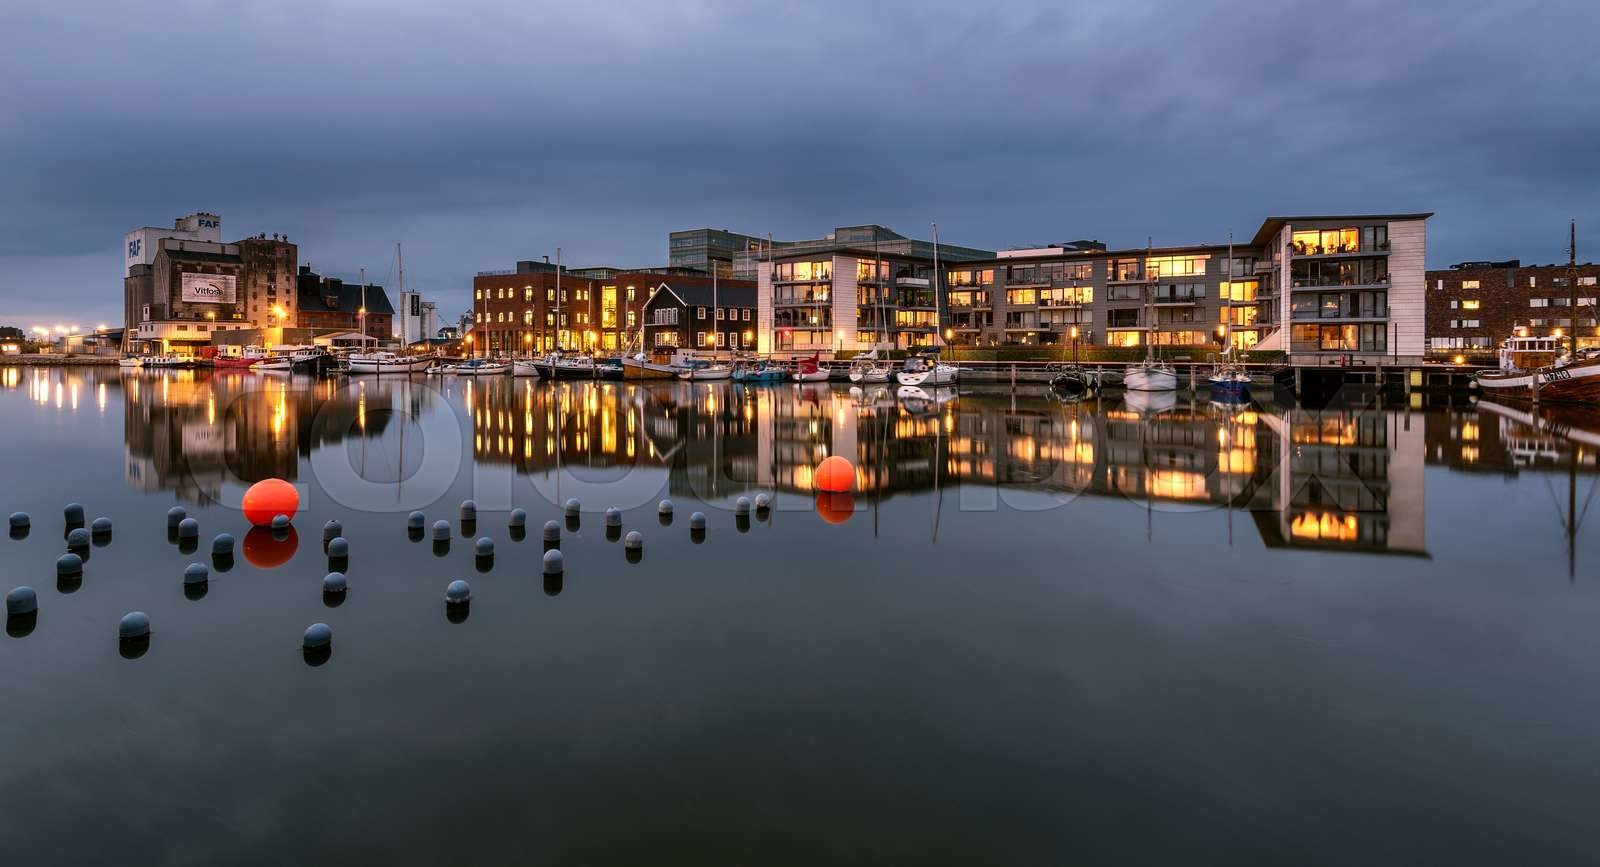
190,289
600,310
684,313
329,303
1473,306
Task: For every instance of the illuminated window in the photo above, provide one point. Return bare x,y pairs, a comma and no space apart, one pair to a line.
1469,284
1177,266
1240,290
1470,304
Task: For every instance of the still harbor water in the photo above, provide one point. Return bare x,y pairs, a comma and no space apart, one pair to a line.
1036,633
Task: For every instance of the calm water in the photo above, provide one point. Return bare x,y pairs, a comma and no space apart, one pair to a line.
1036,634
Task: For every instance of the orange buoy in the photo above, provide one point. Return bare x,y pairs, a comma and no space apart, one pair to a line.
835,507
835,475
269,498
264,551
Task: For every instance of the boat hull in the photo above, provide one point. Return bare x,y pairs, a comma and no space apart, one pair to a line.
632,368
812,376
1577,383
940,375
1150,380
706,375
380,367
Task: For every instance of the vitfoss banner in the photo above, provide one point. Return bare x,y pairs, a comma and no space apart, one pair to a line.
208,288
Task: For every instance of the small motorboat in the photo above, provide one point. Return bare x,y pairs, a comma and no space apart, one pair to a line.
706,371
760,371
641,367
1073,382
1229,380
388,362
482,367
926,369
1150,375
811,370
273,362
131,361
868,369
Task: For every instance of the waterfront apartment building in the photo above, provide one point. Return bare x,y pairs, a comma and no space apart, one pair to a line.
1325,289
1473,306
190,289
533,309
708,250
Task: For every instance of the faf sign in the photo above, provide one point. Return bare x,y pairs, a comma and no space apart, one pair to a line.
208,288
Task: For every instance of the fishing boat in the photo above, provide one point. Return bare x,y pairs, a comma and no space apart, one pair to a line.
273,362
1531,366
811,370
481,367
868,369
168,361
1538,368
388,362
925,368
312,358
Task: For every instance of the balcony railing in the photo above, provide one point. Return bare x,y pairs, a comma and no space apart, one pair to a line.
1299,249
1378,281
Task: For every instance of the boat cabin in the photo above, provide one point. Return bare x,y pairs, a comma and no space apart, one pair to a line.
1531,353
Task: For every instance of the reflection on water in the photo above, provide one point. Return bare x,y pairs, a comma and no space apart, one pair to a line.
1342,478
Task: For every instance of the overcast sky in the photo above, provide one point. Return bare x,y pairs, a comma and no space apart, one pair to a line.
477,133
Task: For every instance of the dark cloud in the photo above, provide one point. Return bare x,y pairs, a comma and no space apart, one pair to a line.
478,133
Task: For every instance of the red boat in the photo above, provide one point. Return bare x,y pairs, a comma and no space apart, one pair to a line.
236,361
811,370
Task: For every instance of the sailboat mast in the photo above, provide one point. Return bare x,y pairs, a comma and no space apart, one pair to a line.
879,288
716,313
1572,283
938,334
1227,305
1149,324
558,304
361,315
400,265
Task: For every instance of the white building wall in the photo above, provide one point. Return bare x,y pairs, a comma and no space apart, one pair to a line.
764,337
1408,246
140,245
843,296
